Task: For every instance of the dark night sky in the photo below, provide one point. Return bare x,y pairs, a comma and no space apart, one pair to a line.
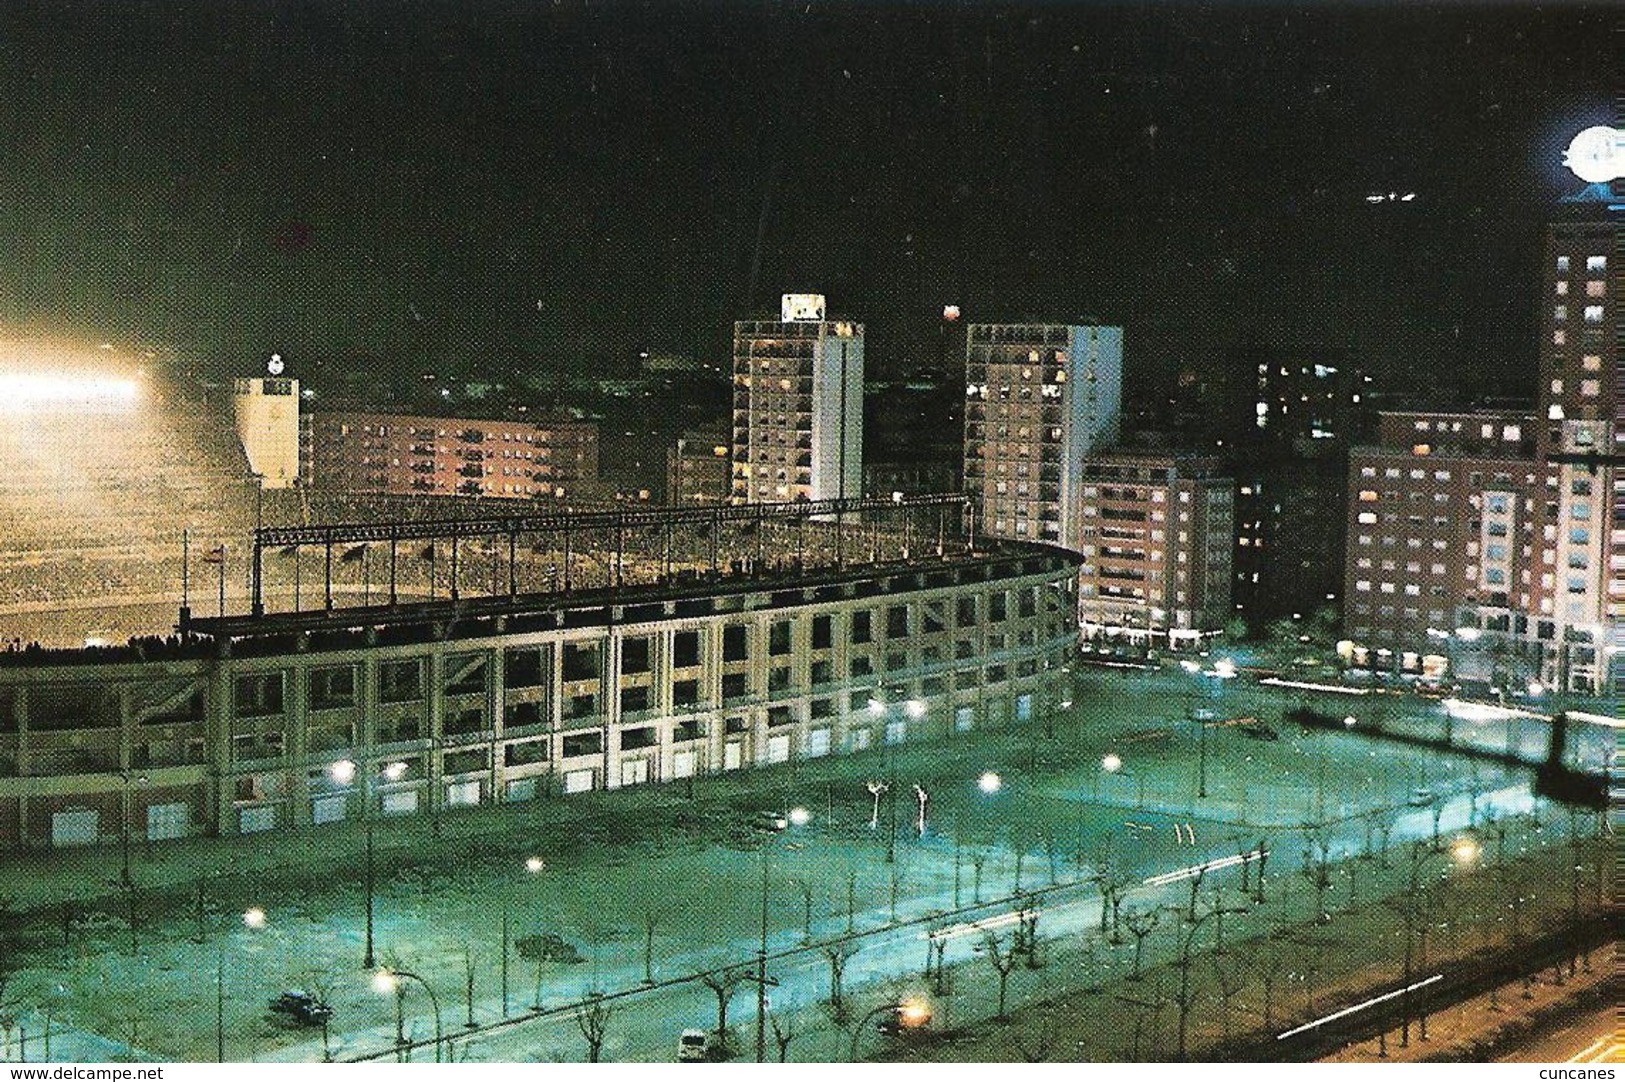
353,181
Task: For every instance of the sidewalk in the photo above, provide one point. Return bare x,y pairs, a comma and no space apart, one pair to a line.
1471,1030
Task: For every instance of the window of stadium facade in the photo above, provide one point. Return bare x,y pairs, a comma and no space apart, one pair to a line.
530,703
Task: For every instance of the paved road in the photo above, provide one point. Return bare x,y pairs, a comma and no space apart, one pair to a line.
1592,1037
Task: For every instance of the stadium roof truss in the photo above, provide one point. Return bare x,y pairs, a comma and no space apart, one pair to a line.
571,525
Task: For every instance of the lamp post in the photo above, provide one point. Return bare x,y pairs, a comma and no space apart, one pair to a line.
388,981
129,777
1112,763
254,920
533,866
343,772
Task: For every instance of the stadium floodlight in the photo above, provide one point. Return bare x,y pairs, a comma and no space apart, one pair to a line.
31,389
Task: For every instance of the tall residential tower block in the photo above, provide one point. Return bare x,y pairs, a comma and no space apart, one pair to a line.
797,406
1038,399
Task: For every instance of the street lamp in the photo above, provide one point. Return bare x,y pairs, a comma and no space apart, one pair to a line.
799,817
130,778
387,981
254,920
533,866
989,782
906,1014
1112,763
343,772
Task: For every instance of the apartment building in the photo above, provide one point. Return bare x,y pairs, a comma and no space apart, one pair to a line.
1038,399
797,406
403,455
1155,533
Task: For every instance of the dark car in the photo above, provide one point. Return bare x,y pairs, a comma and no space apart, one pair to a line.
302,1007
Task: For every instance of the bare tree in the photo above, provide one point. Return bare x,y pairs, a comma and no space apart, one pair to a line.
838,953
320,985
1002,961
1042,1043
1230,981
1268,962
1140,924
805,886
1111,885
1196,886
783,1033
592,1018
723,983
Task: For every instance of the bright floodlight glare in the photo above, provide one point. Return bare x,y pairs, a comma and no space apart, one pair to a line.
914,1013
534,865
1225,668
800,817
1465,850
989,782
1350,722
1111,762
1536,688
395,771
342,771
254,917
22,390
384,982
1593,155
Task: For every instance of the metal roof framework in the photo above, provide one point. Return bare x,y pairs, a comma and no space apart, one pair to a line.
570,524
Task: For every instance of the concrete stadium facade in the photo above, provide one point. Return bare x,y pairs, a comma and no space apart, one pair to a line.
399,712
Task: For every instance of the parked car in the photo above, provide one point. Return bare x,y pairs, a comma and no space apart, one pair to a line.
1421,798
769,822
302,1007
694,1046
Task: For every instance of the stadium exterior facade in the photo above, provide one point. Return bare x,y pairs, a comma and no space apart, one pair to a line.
407,711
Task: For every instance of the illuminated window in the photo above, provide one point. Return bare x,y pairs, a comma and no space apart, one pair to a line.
1591,362
1560,312
1593,313
1596,264
1562,289
1590,387
1562,264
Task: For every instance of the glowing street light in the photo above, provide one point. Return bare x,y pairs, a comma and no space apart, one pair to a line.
1465,851
1350,722
390,982
1111,762
254,917
906,1014
799,817
989,782
534,865
342,771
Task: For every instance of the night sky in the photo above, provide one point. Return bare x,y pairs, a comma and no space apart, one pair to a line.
483,186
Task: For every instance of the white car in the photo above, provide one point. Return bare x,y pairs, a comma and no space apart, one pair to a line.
693,1046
